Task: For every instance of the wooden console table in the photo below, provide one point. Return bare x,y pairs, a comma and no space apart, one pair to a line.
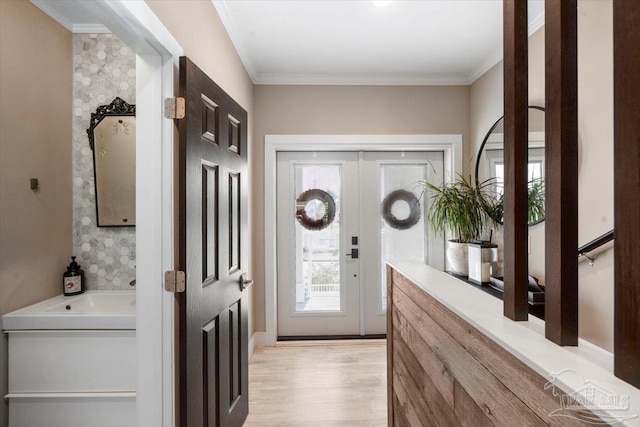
455,360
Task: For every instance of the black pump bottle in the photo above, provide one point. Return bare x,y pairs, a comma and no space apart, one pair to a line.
73,279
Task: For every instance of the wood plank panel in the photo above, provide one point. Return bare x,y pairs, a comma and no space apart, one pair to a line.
497,402
561,171
516,259
522,381
468,412
408,368
413,408
400,420
425,360
626,69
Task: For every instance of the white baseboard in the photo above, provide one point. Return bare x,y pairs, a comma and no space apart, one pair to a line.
259,339
252,345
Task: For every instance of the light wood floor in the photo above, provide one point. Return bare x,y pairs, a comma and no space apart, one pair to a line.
318,383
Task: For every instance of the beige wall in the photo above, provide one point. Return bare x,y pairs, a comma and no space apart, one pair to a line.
35,142
345,110
595,122
595,202
196,26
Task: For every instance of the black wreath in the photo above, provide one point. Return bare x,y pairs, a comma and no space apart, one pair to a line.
414,209
329,209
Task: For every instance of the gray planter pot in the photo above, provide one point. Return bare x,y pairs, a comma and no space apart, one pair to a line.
458,258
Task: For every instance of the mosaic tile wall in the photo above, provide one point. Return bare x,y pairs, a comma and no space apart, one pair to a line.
103,68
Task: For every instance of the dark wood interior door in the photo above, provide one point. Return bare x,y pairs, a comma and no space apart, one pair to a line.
212,244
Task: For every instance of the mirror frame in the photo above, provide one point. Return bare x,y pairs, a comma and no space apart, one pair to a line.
484,142
118,107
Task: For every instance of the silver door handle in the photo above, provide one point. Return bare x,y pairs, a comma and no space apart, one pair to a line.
244,282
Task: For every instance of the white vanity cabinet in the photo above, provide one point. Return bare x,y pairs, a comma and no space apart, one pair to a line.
72,377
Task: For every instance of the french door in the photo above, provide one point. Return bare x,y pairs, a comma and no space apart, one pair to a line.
340,217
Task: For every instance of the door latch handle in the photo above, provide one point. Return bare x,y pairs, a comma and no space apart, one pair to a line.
355,254
244,282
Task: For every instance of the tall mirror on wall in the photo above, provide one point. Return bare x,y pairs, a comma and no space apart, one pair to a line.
490,166
112,137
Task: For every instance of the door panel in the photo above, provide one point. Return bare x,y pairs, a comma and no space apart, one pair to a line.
210,222
318,291
383,174
212,246
210,341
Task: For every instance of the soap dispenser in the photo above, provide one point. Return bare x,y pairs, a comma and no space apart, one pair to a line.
73,279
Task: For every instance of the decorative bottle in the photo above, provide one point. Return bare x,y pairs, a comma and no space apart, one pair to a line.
73,279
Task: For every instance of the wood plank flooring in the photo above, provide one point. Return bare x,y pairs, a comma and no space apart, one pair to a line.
318,383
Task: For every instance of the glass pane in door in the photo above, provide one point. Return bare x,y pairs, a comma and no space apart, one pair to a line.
318,270
402,230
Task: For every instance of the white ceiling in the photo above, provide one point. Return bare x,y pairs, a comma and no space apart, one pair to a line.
357,42
351,41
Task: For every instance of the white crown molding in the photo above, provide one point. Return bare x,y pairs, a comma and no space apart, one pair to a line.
46,7
485,66
361,80
229,22
90,29
536,23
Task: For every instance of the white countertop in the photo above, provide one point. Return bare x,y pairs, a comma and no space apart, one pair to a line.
585,366
105,310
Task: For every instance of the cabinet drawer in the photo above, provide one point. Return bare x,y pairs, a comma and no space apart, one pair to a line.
97,410
72,361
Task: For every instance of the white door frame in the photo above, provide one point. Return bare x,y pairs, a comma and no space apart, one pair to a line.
450,144
157,55
156,62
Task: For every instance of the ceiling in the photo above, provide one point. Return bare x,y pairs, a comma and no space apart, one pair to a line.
359,42
403,42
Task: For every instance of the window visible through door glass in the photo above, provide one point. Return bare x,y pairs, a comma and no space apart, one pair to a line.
318,272
396,244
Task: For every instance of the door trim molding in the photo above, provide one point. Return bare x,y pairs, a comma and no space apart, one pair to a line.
449,144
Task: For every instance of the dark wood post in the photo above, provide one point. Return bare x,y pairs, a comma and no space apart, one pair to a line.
626,72
561,176
516,99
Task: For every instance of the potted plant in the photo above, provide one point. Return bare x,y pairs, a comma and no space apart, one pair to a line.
494,205
460,208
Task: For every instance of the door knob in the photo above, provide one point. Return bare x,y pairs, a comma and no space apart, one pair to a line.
244,282
354,254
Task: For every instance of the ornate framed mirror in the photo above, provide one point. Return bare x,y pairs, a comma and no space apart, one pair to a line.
112,137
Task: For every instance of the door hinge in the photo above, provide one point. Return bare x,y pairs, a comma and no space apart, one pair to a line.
174,108
174,281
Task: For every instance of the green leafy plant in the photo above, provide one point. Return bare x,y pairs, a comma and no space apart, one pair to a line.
536,200
460,207
494,204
